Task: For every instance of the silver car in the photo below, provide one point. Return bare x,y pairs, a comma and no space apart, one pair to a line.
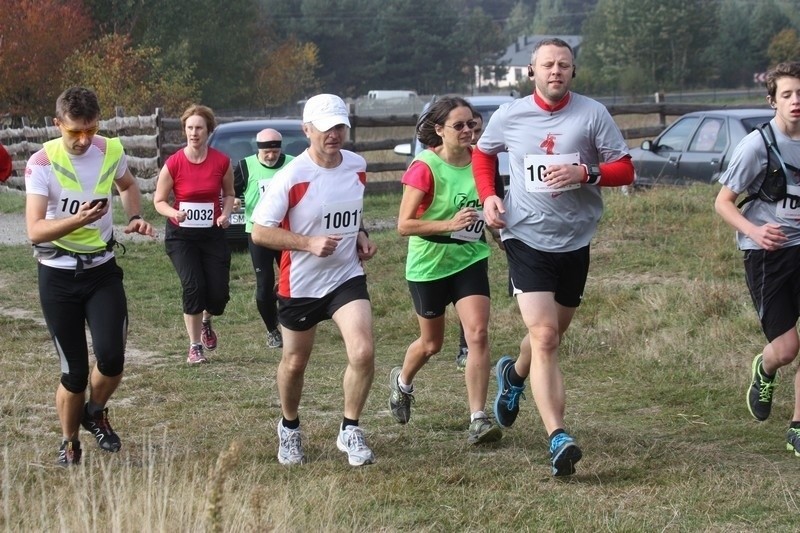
696,147
486,106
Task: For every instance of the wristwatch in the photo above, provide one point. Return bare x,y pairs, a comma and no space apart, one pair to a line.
593,171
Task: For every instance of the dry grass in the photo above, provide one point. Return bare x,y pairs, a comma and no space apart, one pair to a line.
656,364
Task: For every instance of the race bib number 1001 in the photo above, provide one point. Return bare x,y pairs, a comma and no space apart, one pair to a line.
342,218
535,166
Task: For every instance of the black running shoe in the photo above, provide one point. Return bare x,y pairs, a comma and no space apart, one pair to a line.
100,427
69,454
759,393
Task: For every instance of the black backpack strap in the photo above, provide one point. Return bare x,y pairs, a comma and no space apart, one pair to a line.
767,144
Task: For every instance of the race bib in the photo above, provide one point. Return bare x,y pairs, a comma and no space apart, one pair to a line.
71,201
342,218
535,166
789,207
263,185
472,232
198,214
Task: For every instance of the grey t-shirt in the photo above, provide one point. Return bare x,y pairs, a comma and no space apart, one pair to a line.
745,174
557,221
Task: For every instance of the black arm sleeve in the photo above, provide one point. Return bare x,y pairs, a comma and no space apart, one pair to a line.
239,179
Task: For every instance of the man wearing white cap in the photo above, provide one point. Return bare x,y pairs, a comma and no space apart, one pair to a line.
312,210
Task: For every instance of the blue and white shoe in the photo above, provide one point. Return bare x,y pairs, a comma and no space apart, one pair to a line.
506,403
564,453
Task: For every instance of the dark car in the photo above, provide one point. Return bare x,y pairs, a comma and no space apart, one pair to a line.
238,140
696,147
486,106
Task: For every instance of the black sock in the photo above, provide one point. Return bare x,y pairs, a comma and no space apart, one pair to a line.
348,422
559,431
92,409
513,377
795,424
291,424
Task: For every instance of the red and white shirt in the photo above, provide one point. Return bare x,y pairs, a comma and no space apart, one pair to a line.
307,199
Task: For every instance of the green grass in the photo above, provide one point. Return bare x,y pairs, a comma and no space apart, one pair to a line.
656,365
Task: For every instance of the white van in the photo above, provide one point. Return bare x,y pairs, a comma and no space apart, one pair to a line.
389,95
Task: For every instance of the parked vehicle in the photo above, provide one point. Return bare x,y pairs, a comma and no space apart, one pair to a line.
238,140
696,147
486,106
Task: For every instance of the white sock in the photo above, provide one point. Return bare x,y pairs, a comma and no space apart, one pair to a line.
408,389
477,414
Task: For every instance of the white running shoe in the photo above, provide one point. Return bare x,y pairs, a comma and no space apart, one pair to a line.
290,446
351,441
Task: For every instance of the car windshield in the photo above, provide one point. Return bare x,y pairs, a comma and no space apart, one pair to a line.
240,144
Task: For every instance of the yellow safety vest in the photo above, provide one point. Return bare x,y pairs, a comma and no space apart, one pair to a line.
83,240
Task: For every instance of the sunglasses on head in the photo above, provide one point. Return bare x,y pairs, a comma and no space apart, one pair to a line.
458,126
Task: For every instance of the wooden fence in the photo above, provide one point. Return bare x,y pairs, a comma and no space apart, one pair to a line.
149,140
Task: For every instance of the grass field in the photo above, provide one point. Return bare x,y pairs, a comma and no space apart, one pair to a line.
656,365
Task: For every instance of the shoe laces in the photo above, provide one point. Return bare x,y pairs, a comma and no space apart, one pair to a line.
765,389
102,423
512,396
291,442
355,439
793,434
560,440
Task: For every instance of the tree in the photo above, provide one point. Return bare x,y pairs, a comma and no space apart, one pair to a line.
287,73
561,17
31,52
223,39
660,37
484,44
133,78
784,47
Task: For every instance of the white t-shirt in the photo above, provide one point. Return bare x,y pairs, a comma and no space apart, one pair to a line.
310,200
40,179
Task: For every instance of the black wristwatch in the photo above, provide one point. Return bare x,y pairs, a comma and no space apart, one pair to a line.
594,174
134,217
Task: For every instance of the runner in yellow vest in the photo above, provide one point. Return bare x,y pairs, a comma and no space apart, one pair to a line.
68,215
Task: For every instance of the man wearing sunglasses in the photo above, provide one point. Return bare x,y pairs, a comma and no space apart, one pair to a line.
768,232
562,148
68,214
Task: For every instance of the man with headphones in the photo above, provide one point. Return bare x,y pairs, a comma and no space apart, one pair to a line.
768,232
562,148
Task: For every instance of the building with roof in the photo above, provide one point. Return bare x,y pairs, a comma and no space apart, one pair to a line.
517,57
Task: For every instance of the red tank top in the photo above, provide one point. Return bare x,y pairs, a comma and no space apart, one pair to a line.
198,182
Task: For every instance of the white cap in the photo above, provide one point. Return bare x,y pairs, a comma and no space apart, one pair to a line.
325,111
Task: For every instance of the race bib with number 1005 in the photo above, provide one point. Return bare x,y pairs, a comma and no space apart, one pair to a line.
535,166
342,218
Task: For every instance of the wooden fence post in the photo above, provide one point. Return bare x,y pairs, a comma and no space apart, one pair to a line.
159,137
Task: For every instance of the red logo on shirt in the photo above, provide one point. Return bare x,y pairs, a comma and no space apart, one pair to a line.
548,144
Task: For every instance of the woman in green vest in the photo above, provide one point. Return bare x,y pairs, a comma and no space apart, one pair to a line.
447,258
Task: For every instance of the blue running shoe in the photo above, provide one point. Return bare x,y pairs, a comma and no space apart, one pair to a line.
564,453
506,403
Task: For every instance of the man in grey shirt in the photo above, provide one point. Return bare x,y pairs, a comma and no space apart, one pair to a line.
768,232
562,148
